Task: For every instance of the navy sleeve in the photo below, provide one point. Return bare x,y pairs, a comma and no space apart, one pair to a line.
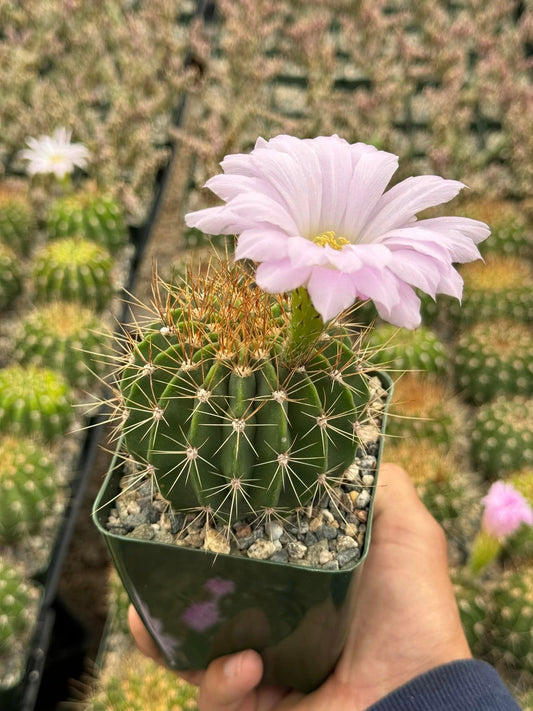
466,685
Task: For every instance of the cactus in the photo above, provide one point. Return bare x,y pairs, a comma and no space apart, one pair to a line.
422,408
27,487
17,224
418,350
18,600
511,631
196,239
34,401
498,288
74,269
520,545
10,276
494,359
476,609
225,416
90,215
509,228
139,683
422,460
501,439
64,337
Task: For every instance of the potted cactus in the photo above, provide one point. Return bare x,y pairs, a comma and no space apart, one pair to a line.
239,505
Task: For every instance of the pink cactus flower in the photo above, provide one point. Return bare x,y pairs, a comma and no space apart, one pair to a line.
201,615
219,587
54,154
505,510
314,213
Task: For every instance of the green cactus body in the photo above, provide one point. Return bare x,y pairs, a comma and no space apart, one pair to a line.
476,609
138,684
90,215
10,276
74,269
28,490
519,546
494,359
509,232
34,401
17,223
18,599
497,288
422,408
501,440
511,631
420,349
211,406
64,337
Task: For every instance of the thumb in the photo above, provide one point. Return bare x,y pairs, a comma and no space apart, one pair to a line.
229,682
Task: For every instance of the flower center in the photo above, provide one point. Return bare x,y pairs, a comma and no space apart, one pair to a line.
331,239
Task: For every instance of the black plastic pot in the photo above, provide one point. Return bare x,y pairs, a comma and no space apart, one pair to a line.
198,605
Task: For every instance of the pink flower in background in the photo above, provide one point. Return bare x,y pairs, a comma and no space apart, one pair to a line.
314,213
54,154
201,615
219,587
505,510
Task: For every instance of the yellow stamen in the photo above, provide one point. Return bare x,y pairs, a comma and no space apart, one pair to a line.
331,239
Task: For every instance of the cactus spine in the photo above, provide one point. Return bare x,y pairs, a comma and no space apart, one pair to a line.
419,350
10,276
229,417
27,487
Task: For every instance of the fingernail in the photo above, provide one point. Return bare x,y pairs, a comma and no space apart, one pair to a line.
233,666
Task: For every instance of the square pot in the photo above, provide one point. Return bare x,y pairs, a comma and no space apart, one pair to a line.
199,605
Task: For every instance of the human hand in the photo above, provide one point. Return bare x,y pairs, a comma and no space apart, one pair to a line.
405,621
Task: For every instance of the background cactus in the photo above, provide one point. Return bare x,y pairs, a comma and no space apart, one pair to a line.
509,229
501,440
519,547
18,600
476,609
139,683
34,401
17,223
420,349
10,276
423,408
205,380
494,358
74,269
28,489
90,215
64,337
511,631
500,287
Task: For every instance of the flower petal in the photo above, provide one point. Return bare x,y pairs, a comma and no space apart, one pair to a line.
263,243
399,205
331,292
303,252
280,276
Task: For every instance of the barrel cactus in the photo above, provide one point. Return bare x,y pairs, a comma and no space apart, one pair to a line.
519,546
419,350
476,609
17,223
494,359
215,406
74,269
511,630
18,601
510,233
10,276
423,408
28,490
501,440
139,683
64,337
34,401
90,215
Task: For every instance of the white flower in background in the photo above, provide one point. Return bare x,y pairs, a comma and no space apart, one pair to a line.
54,154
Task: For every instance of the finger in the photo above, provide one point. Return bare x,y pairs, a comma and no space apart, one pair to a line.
229,682
396,495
